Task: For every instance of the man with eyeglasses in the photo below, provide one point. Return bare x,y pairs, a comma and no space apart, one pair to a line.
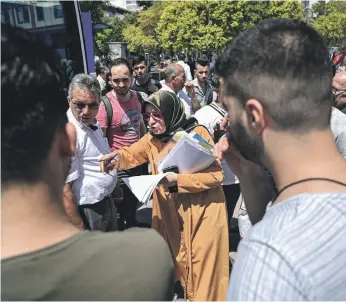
203,90
338,118
142,82
339,91
87,192
122,125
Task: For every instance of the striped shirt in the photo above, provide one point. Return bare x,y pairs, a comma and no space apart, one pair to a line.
297,252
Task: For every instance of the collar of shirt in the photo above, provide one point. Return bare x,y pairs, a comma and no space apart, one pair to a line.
74,121
196,84
165,87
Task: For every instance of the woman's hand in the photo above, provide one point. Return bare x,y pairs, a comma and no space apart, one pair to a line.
170,180
108,162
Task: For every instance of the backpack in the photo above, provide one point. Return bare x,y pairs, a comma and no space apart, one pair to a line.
109,108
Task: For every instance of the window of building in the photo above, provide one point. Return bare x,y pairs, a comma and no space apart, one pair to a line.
58,12
22,14
39,13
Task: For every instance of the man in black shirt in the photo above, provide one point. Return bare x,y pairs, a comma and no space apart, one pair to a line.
142,81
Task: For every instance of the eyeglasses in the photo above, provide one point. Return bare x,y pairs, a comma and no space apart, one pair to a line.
338,91
81,106
139,67
123,80
155,115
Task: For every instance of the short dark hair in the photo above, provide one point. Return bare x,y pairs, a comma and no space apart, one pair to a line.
202,61
138,59
33,105
181,56
122,61
285,65
102,70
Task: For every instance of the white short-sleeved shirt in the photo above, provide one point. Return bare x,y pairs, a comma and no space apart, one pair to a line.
89,184
209,117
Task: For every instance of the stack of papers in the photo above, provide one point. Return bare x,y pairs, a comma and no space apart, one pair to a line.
143,186
191,154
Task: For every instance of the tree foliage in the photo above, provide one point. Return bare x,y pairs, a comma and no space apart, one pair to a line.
329,19
111,34
201,25
96,8
141,34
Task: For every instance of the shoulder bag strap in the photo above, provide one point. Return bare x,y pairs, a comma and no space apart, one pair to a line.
109,110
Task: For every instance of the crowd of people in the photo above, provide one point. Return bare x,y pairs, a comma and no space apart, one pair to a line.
276,117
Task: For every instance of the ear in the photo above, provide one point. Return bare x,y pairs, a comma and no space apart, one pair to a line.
110,82
256,117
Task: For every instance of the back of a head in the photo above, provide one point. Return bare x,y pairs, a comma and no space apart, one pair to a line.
33,105
171,70
102,70
181,56
285,65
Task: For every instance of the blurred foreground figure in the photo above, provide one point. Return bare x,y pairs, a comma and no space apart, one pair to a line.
277,88
45,257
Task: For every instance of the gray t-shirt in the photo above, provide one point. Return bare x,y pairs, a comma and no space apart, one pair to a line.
296,252
92,266
338,126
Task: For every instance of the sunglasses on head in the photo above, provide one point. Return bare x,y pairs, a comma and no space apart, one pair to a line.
155,115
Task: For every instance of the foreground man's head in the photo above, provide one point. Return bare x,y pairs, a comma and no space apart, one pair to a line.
37,143
277,78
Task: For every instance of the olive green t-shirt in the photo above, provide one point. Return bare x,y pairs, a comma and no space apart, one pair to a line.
131,265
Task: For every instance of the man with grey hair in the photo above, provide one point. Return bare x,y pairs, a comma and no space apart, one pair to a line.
87,192
175,82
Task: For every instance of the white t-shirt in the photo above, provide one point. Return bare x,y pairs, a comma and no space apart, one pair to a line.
209,117
89,184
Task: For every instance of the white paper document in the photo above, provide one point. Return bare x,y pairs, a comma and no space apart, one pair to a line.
143,186
191,154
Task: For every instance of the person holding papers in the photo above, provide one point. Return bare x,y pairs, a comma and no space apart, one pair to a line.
193,220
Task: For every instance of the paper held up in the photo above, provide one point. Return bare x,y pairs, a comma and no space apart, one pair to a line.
190,154
143,186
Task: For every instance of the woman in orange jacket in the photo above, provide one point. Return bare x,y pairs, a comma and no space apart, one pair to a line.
194,219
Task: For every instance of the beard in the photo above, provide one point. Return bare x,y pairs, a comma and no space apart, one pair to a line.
122,91
251,148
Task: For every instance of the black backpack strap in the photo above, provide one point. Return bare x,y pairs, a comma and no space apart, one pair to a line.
109,110
216,108
139,97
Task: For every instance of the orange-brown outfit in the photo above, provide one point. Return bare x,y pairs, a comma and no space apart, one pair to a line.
193,221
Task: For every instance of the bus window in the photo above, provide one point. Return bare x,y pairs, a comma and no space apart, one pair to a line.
57,23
